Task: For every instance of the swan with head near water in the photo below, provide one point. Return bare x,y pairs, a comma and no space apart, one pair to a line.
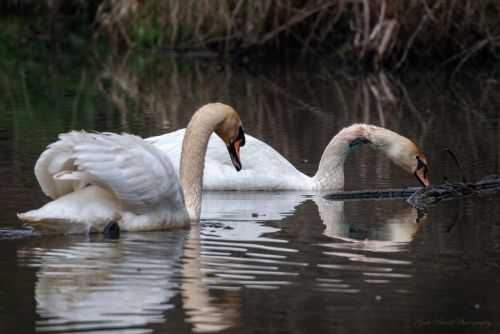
266,169
98,178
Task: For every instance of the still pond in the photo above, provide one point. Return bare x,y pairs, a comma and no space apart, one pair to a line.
264,262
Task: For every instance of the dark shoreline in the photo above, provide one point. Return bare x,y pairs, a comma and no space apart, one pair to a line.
363,35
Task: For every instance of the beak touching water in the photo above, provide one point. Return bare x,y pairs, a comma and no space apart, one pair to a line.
234,149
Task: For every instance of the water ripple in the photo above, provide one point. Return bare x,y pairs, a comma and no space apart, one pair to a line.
106,286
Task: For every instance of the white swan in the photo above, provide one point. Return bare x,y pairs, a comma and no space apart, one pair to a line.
95,179
266,169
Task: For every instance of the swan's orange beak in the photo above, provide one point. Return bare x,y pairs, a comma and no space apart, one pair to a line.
421,175
421,171
422,178
234,149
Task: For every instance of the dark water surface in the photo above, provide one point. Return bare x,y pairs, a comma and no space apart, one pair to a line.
259,261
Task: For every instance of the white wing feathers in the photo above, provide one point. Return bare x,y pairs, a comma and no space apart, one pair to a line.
139,175
56,158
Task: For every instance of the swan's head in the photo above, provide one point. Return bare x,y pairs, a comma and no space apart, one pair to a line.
409,157
230,130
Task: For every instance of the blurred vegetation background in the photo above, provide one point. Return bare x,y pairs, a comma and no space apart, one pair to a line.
374,33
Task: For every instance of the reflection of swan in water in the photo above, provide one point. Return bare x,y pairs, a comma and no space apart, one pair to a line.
237,245
94,285
203,312
366,252
352,249
396,232
250,205
269,206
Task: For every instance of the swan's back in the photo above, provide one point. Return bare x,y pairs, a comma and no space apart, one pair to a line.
263,167
122,176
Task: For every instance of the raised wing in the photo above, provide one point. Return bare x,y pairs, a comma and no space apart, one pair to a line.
139,175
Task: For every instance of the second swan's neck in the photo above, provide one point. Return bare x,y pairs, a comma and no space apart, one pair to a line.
330,174
194,147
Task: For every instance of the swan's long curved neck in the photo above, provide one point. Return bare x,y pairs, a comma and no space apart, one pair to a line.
330,174
194,148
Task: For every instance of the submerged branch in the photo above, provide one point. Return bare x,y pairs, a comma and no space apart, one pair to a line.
420,197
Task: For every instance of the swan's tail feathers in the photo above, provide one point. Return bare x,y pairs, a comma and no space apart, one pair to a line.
52,225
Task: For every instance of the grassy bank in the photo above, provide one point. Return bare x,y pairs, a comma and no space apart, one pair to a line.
377,33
